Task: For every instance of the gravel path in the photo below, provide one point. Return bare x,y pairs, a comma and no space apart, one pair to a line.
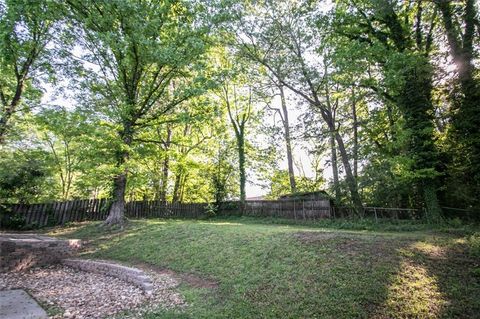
87,295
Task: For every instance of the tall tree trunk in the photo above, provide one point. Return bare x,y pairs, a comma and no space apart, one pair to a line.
241,167
286,128
9,109
466,121
355,134
333,156
416,105
182,188
162,195
328,115
415,102
238,123
116,214
350,179
177,187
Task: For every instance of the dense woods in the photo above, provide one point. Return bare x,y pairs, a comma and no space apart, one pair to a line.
376,102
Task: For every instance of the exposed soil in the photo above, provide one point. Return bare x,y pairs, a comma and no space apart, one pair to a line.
190,279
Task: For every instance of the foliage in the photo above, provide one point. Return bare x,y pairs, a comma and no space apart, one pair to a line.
474,244
279,184
12,221
23,176
195,101
26,30
211,210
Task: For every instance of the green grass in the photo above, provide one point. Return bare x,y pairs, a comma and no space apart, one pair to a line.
267,270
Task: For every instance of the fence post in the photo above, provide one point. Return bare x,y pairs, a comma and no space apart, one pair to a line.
303,209
294,211
313,211
375,211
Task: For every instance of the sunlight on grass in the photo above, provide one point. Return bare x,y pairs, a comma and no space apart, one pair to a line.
429,249
156,222
71,228
222,223
266,270
414,293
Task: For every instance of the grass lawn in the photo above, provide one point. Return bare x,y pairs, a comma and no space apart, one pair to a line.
264,270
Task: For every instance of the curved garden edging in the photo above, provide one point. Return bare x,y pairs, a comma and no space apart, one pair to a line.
129,274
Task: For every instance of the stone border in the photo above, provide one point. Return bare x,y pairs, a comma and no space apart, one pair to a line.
22,251
129,274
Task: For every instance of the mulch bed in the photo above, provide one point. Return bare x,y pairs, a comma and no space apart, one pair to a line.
82,295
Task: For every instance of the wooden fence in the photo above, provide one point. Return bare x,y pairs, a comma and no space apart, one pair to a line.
56,213
298,209
59,213
379,213
158,209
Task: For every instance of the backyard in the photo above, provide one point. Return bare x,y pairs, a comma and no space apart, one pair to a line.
239,159
253,268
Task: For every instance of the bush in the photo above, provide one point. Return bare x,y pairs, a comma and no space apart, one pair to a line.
211,210
474,244
14,221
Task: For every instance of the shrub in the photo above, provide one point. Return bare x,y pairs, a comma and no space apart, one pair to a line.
474,244
14,222
211,210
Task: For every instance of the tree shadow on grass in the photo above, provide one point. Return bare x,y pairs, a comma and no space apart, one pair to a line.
435,279
456,273
306,274
398,277
96,238
358,272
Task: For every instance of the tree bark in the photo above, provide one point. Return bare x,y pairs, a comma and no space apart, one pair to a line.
116,214
286,128
238,122
350,179
241,167
466,121
177,187
355,134
328,115
415,103
333,157
9,110
162,194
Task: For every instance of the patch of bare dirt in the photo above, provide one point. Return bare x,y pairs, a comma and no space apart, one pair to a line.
354,245
192,280
310,237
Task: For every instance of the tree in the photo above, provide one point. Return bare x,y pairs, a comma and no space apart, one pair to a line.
23,176
222,171
26,28
59,130
459,21
401,48
279,184
148,56
283,113
283,38
239,104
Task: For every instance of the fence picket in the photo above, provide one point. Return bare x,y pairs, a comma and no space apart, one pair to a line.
96,209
